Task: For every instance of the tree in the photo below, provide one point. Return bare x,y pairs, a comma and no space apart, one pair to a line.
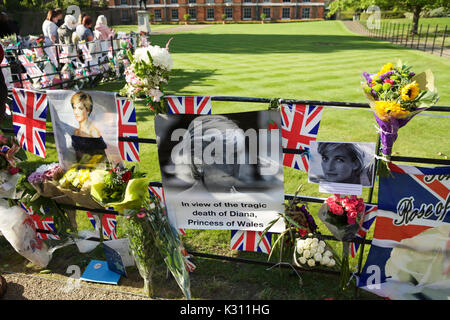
187,17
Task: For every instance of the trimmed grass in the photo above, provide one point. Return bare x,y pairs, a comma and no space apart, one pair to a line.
313,60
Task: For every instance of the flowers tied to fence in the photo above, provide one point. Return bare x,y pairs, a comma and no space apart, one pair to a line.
396,95
343,217
148,72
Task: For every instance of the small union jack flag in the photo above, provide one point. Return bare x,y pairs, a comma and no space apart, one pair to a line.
129,150
41,223
189,105
109,224
250,241
299,124
29,120
64,54
85,51
30,67
370,214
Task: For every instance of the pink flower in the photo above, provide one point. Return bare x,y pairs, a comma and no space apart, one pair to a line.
141,215
336,209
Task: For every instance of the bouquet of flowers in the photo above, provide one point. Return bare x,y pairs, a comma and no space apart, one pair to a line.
120,188
299,223
149,228
8,166
343,217
396,95
312,251
146,75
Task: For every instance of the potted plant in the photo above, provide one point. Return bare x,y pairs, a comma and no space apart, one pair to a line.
263,17
187,17
224,17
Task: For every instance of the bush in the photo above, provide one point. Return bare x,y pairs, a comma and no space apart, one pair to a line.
187,16
435,13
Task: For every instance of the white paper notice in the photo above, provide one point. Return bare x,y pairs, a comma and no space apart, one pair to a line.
340,188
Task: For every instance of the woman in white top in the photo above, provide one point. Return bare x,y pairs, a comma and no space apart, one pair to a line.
49,27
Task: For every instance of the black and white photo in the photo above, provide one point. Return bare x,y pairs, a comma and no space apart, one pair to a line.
221,171
342,162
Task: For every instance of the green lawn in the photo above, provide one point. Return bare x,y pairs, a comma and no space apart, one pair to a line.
314,60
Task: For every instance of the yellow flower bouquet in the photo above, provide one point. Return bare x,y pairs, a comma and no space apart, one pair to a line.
396,95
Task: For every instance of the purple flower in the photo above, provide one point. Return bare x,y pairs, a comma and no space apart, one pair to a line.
35,178
412,74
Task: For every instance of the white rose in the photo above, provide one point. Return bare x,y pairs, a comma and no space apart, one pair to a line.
328,253
302,260
331,263
322,243
318,257
320,249
325,260
306,253
311,263
314,245
299,250
315,240
313,251
300,244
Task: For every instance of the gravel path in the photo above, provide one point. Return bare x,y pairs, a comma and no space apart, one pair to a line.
182,28
30,287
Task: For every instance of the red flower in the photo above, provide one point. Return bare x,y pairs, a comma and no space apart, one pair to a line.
126,176
13,170
302,232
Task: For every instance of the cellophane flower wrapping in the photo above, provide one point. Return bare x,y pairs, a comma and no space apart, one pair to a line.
343,217
9,172
169,243
120,188
142,246
148,72
396,95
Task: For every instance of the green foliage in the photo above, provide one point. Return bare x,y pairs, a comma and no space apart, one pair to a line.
187,16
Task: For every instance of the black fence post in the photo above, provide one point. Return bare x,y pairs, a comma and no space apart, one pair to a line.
426,39
418,37
443,41
434,38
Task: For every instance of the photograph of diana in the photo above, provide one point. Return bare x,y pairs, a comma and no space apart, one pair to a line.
222,161
342,162
85,126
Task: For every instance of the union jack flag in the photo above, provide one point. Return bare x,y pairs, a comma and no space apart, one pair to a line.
250,241
51,54
370,213
86,54
26,84
41,223
189,105
299,126
29,120
109,224
65,53
129,150
30,67
411,235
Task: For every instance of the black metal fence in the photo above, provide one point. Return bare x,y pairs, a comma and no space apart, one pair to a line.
433,38
369,200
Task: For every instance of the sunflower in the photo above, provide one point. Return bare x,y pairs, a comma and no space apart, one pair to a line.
410,91
387,67
389,109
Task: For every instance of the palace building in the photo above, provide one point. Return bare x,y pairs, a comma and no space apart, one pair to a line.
168,11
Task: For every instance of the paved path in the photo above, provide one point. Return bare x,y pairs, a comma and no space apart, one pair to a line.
356,27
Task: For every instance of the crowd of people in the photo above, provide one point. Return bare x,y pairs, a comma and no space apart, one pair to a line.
67,30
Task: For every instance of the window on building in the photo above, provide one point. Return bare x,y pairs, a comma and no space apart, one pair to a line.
247,14
192,1
306,0
157,14
306,13
266,1
228,1
157,2
125,16
286,0
173,1
123,2
266,11
209,1
229,13
193,13
247,0
174,14
210,14
286,13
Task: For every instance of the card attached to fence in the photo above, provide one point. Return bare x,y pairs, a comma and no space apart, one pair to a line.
222,171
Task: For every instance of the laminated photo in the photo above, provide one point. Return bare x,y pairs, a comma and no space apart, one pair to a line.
222,171
85,127
342,163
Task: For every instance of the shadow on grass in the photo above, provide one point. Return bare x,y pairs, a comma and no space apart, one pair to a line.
270,43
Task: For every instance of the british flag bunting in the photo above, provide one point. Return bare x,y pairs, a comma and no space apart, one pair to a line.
299,124
129,150
29,116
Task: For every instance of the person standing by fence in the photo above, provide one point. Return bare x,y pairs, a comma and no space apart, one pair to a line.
49,27
85,31
102,32
67,29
